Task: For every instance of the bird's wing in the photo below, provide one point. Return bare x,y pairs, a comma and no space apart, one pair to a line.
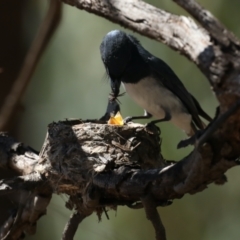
172,82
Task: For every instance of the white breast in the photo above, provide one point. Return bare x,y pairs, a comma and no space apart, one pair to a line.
155,99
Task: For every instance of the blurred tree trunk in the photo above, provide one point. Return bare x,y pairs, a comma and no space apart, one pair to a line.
11,57
11,51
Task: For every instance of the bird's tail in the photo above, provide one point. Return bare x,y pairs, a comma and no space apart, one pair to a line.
201,112
194,128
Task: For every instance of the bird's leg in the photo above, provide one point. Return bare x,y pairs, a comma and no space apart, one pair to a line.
145,116
148,115
194,135
191,140
154,122
165,119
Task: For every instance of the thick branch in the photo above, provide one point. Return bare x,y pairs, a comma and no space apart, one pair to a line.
31,207
121,164
178,32
34,191
27,183
101,165
209,22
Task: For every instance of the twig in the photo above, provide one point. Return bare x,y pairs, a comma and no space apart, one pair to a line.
47,28
72,226
152,215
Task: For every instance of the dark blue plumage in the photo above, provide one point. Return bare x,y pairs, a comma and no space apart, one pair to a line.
150,82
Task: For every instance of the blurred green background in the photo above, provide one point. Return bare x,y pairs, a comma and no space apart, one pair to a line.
70,82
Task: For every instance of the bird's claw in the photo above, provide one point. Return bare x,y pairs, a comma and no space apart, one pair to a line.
190,141
152,125
127,119
186,142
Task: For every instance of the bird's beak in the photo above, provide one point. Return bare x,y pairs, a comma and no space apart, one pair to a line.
115,85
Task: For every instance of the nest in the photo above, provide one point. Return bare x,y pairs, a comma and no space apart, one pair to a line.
77,152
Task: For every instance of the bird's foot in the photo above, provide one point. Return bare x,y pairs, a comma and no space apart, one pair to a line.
127,119
190,141
152,125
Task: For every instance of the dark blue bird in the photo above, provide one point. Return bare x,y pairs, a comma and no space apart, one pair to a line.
150,82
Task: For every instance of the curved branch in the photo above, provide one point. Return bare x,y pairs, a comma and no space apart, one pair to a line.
209,22
178,32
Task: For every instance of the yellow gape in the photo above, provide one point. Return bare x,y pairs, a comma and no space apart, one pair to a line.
116,120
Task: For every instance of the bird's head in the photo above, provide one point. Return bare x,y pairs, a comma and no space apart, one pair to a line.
116,50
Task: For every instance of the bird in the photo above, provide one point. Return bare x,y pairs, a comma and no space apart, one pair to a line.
150,82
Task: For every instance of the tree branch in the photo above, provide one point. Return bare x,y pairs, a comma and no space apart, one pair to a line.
152,215
34,191
27,183
209,22
101,166
39,44
72,225
178,32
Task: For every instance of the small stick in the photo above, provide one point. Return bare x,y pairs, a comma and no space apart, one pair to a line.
72,226
150,207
